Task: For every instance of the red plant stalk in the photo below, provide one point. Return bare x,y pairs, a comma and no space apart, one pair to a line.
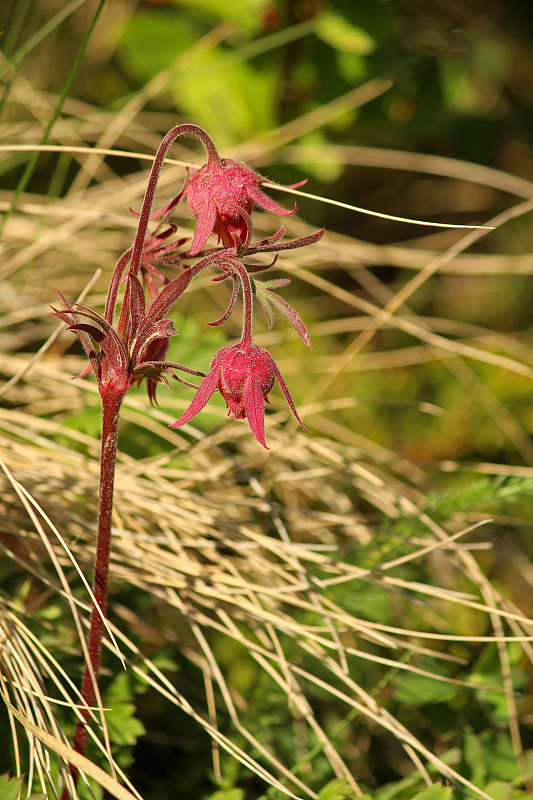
111,402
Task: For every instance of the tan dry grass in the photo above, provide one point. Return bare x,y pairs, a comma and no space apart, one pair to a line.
241,566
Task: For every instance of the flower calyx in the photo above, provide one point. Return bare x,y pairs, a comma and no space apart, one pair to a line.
120,358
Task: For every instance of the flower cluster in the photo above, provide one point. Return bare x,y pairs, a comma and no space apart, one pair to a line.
221,197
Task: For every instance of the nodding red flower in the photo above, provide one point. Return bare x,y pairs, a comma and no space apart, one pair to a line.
244,374
221,196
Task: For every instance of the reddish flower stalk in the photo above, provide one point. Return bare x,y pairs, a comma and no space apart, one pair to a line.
117,364
111,403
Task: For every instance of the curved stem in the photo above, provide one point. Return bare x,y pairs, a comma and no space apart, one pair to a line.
111,403
144,218
247,301
142,227
247,294
224,259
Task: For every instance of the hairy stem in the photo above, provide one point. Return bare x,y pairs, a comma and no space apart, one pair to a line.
142,227
111,403
240,270
144,218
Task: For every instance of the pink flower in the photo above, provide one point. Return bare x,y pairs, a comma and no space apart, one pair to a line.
244,374
221,196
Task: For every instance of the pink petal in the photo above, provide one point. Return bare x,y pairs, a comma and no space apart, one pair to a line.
267,203
205,391
204,228
255,410
288,398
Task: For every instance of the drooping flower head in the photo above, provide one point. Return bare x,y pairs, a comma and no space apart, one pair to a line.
244,374
221,196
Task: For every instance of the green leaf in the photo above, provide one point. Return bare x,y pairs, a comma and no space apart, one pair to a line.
338,789
227,794
244,13
124,728
500,758
435,792
502,790
242,95
418,689
474,757
149,43
231,97
9,787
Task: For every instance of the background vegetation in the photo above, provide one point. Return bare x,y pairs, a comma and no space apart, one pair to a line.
348,613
